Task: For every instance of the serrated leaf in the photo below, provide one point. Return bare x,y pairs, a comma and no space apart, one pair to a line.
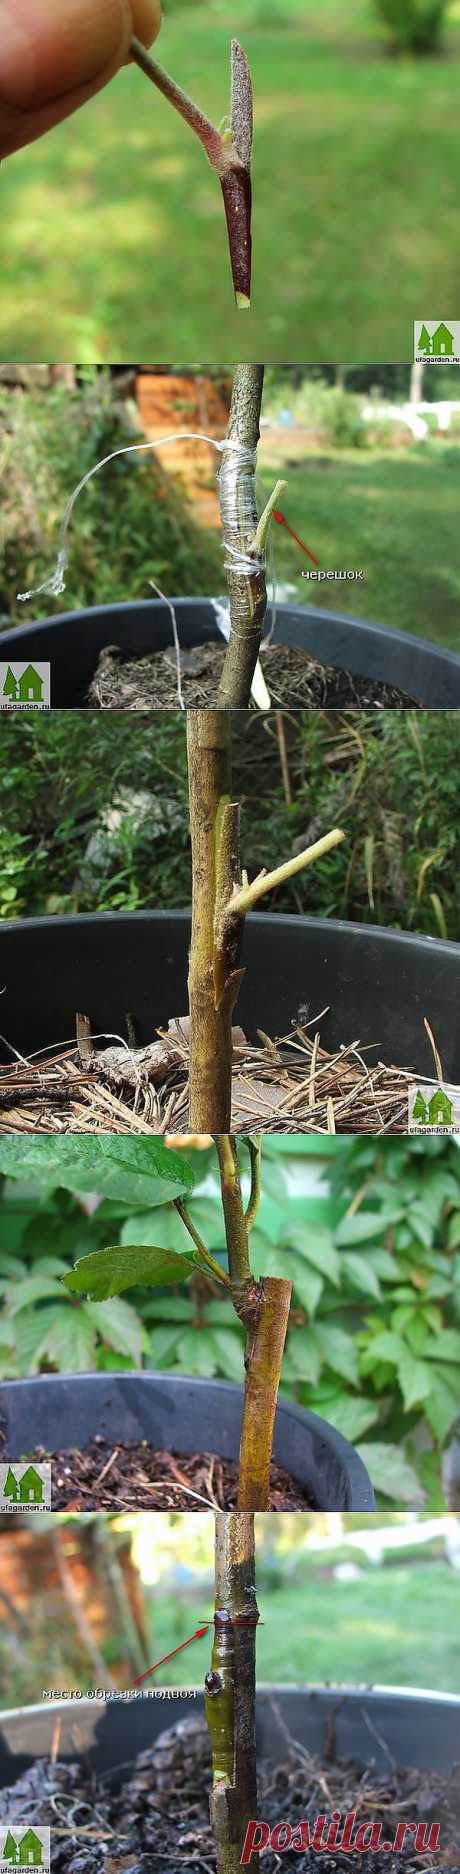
230,1351
352,1416
338,1350
392,1474
108,1271
139,1171
304,1354
315,1245
166,1308
445,1346
69,1341
196,1352
385,1346
385,1265
414,1379
32,1288
163,1342
119,1325
307,1284
359,1228
361,1276
441,1407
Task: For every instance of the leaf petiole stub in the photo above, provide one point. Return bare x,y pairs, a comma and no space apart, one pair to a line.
228,153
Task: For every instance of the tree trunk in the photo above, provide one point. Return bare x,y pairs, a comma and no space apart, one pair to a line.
231,1690
416,381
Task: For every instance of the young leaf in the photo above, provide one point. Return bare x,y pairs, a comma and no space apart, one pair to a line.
140,1171
108,1271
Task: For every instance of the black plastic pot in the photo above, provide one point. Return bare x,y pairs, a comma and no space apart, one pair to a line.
176,1414
418,1729
72,642
377,984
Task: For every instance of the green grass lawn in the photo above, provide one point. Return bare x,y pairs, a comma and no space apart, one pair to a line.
396,1626
113,231
393,514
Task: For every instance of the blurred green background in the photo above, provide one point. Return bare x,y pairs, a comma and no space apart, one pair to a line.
116,1594
113,229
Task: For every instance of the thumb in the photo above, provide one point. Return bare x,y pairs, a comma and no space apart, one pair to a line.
55,54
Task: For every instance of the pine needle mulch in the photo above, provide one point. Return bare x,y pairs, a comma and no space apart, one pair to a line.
293,1085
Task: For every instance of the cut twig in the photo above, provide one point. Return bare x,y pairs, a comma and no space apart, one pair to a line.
228,152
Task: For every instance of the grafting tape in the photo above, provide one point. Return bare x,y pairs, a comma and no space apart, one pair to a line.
236,485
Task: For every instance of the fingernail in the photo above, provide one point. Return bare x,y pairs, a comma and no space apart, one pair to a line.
57,45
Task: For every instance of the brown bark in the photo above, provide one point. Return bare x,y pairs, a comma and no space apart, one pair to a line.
265,1311
214,972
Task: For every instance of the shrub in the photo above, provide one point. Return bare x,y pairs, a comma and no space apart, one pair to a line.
415,24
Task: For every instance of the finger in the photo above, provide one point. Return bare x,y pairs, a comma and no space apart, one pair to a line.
54,54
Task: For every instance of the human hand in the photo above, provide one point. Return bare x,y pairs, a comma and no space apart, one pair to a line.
55,54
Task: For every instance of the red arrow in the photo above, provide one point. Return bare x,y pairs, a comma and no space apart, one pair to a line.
176,1649
290,530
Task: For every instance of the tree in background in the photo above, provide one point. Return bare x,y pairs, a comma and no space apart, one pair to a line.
415,25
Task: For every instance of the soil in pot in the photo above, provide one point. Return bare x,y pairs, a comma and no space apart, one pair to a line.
293,1085
125,1476
294,680
160,1817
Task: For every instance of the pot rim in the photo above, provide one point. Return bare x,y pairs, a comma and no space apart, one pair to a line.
281,919
311,613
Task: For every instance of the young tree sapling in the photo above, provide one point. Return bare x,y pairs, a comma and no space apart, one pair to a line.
261,1305
230,1689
